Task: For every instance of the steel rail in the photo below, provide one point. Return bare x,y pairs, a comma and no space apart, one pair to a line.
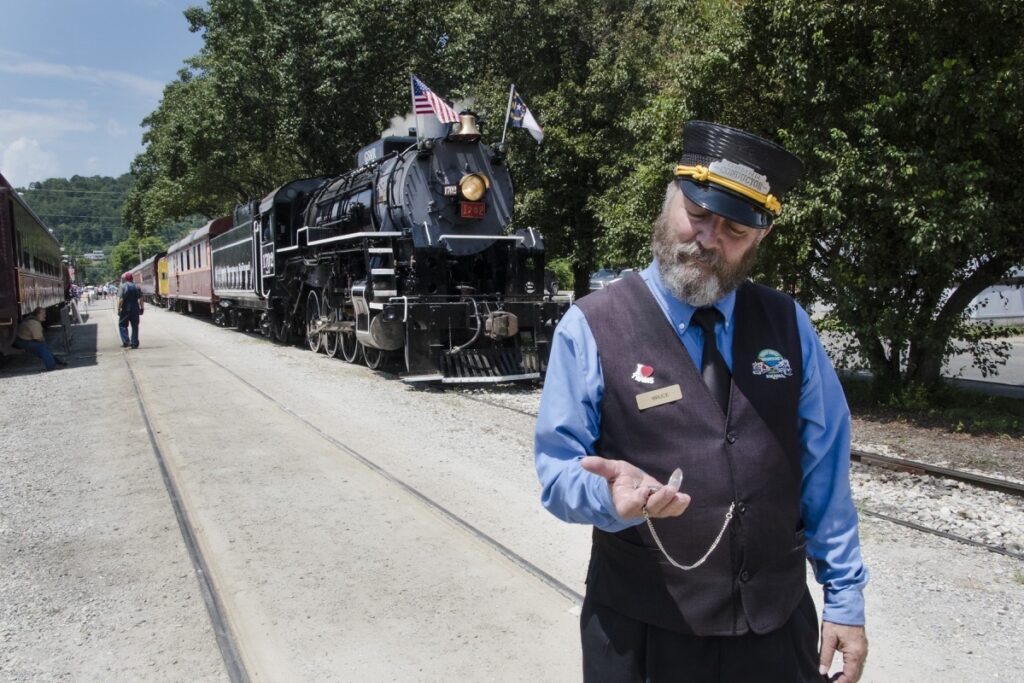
1012,488
227,641
896,464
942,534
465,525
916,467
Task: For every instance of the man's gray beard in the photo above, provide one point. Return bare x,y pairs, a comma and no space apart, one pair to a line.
690,282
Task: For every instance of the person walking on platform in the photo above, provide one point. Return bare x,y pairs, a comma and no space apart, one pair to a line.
129,307
688,377
30,338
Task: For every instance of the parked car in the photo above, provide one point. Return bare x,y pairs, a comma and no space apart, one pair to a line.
602,278
605,276
623,273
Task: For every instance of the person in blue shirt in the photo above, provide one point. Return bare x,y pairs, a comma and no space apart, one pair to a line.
130,305
694,419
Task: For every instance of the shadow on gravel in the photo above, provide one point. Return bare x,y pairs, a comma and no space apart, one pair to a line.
80,351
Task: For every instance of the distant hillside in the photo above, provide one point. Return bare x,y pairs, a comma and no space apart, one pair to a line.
85,213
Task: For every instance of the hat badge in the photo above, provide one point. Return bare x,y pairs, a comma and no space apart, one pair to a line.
643,374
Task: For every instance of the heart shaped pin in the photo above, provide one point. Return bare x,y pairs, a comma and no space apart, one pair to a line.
646,370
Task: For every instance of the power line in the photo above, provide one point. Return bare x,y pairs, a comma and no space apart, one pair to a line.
67,215
47,189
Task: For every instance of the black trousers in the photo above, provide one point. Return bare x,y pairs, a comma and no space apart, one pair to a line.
618,649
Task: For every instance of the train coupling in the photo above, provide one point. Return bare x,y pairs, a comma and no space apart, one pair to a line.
500,325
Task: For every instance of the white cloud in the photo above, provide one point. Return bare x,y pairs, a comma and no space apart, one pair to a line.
86,74
15,123
115,129
24,161
57,104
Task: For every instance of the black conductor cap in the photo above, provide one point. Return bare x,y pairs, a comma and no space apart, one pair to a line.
735,174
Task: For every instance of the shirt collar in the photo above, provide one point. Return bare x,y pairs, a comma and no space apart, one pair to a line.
679,312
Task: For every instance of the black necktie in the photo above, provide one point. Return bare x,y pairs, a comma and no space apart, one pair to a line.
712,365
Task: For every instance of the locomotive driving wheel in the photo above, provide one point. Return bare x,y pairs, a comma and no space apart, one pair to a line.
330,339
349,347
313,338
374,358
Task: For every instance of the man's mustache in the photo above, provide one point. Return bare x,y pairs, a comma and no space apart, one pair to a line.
687,253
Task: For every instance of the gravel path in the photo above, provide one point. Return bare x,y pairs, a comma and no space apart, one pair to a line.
100,587
984,516
96,583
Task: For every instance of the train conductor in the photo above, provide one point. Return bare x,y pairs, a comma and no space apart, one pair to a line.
693,418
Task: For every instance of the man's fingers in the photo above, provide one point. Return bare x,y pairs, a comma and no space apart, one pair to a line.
855,651
828,650
602,467
851,641
667,502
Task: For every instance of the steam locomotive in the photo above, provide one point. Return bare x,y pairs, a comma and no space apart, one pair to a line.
404,259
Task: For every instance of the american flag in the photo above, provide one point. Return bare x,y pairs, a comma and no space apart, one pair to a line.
424,101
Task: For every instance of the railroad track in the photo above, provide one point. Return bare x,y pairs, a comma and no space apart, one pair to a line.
227,637
904,465
914,467
227,641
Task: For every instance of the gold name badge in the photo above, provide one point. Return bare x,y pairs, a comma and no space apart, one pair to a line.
659,397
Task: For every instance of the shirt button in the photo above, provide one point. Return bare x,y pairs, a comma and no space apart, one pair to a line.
731,437
741,508
744,576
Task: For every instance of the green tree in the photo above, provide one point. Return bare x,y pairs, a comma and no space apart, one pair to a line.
82,211
588,70
904,114
133,251
280,90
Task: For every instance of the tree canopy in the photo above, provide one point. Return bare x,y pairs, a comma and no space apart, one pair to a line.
906,114
903,113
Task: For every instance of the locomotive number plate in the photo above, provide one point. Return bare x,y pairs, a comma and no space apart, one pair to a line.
473,209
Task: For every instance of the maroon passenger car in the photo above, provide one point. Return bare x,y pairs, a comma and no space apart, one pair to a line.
189,271
31,271
146,278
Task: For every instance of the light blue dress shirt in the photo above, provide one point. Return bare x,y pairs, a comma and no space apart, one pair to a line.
569,424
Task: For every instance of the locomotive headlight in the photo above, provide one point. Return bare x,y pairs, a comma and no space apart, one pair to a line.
473,186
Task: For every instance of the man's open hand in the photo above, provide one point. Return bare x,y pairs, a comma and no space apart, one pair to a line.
631,489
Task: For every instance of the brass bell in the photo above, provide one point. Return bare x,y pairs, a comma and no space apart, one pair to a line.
467,131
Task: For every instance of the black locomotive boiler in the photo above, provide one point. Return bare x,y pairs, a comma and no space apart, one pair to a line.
406,257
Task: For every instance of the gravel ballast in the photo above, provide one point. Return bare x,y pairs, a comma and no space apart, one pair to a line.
99,586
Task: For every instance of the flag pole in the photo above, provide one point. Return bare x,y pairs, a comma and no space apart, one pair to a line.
412,99
508,110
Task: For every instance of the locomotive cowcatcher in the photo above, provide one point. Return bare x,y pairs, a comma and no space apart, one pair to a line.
405,258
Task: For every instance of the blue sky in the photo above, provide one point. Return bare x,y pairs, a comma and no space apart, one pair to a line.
78,76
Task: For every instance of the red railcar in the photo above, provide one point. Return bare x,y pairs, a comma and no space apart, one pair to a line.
31,271
146,277
189,272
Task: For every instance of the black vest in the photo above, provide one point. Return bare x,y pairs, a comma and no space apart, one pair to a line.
756,577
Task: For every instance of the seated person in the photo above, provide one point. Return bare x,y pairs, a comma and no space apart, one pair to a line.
30,338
